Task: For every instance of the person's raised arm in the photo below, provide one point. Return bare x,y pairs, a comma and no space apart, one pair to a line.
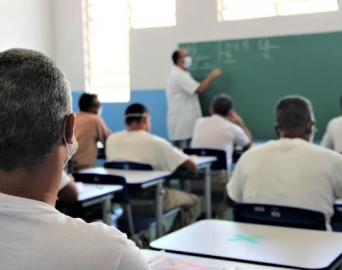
235,118
207,81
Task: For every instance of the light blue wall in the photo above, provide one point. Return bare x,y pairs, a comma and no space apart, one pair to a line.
113,113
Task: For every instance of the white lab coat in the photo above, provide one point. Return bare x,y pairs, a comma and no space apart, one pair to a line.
183,104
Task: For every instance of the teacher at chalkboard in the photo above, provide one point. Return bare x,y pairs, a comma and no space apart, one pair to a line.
182,96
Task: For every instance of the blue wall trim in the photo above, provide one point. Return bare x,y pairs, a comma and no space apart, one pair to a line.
113,113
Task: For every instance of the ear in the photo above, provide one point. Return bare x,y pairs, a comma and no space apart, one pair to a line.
230,113
276,128
69,128
308,128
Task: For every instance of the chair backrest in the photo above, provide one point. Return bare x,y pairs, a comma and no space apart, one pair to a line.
126,165
275,215
219,164
93,178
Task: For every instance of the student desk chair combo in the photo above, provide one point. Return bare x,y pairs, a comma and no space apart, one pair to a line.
93,194
144,179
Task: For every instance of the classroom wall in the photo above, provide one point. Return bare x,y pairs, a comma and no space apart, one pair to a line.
27,24
151,48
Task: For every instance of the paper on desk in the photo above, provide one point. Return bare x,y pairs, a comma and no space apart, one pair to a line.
166,263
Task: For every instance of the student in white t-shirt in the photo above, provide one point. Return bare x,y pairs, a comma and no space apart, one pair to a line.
136,144
36,141
332,138
67,189
290,171
222,130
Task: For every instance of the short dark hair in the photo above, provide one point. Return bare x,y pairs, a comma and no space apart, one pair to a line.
35,100
222,104
294,112
135,109
175,56
86,101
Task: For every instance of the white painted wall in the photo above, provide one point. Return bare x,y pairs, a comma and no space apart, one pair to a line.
27,24
197,21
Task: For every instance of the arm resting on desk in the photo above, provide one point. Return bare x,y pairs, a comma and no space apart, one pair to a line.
69,194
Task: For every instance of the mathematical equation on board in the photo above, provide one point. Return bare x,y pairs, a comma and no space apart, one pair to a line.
228,53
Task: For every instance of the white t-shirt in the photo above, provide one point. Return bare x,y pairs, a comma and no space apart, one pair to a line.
289,172
143,147
218,133
65,180
333,136
35,236
183,104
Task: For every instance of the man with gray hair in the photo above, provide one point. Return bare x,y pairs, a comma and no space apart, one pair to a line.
290,171
223,130
36,141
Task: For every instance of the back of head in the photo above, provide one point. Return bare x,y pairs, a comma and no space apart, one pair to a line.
222,105
175,57
135,113
86,102
294,112
35,101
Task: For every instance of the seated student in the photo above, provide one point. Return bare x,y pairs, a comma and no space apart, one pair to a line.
222,130
290,171
89,129
136,144
36,141
68,192
333,136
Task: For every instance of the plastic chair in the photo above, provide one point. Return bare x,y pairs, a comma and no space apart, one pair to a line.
276,215
140,223
125,165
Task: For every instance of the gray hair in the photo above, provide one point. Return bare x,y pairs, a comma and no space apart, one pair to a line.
294,112
222,104
35,100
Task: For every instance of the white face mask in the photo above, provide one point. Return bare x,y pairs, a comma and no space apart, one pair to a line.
71,149
99,112
187,62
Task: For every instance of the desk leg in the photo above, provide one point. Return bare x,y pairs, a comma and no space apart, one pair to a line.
207,190
106,210
130,219
159,209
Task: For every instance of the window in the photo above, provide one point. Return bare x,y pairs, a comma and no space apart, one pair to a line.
106,36
152,13
229,10
106,41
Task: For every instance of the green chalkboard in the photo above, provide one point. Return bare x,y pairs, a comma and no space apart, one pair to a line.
258,72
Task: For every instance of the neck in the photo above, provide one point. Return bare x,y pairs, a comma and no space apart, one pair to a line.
36,184
180,66
293,135
135,128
